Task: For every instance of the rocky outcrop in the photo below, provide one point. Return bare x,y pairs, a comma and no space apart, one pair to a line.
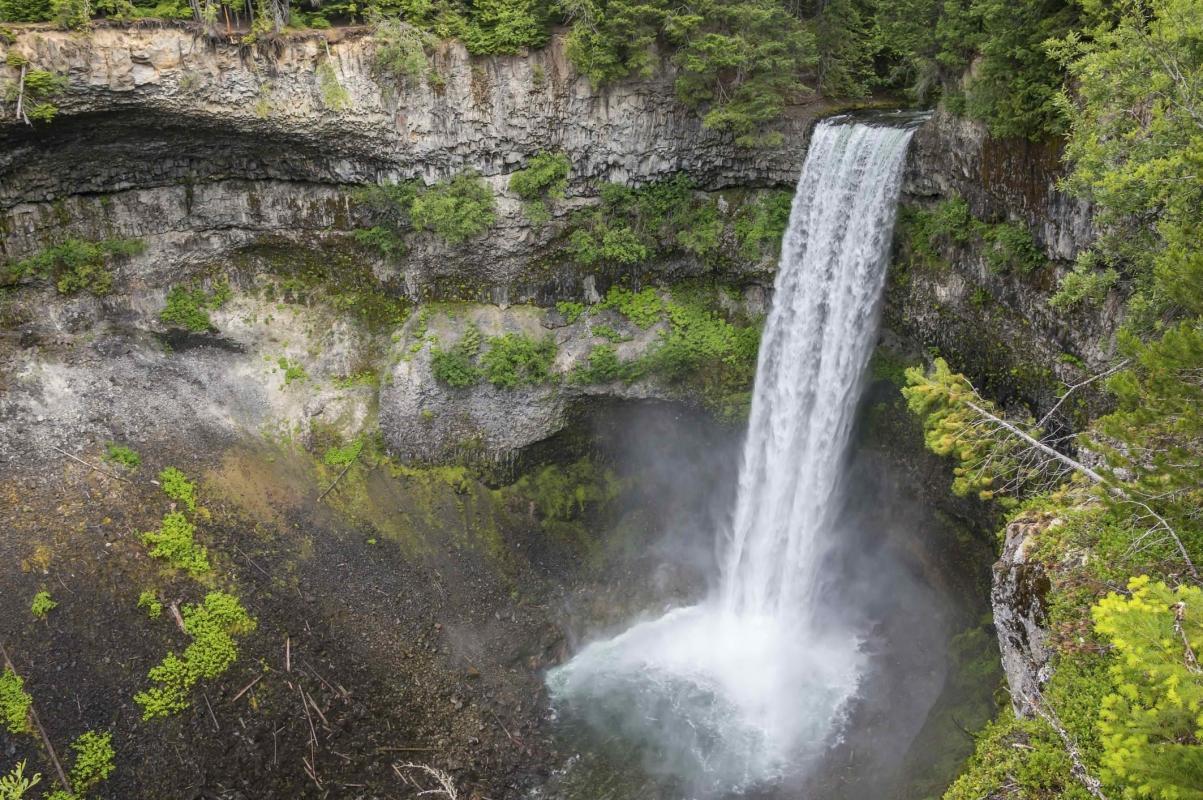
1017,595
998,327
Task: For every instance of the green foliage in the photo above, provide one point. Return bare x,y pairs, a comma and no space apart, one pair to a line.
760,224
150,601
644,308
456,210
292,370
507,26
42,604
71,14
189,308
544,176
514,359
1134,143
175,542
39,86
632,225
571,310
342,456
603,366
213,627
1085,285
120,454
400,50
608,333
14,702
1011,248
14,785
457,367
1151,726
565,492
76,265
94,756
24,10
177,486
334,96
989,462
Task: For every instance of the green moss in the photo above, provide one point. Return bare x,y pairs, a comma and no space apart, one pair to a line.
342,456
93,763
14,703
175,542
177,486
213,626
120,454
149,601
42,604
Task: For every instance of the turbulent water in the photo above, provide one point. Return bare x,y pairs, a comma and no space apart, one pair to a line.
751,683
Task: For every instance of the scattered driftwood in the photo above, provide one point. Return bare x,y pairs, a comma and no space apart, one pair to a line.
37,722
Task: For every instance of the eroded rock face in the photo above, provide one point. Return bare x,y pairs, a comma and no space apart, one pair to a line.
1017,594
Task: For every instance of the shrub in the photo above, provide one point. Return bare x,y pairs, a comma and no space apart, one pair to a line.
1150,725
189,308
571,310
120,454
1085,285
76,265
760,224
1011,248
174,541
644,308
177,486
14,702
517,360
400,50
42,604
150,601
456,210
545,175
212,626
457,367
603,366
93,760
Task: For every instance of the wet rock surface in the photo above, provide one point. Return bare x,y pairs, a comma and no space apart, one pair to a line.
1017,596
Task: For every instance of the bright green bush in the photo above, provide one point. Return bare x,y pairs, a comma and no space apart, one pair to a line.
603,366
1152,724
644,308
760,224
14,785
14,702
514,359
213,627
175,542
1011,248
571,310
177,486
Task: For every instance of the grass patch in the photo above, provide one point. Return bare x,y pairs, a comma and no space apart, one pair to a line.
177,486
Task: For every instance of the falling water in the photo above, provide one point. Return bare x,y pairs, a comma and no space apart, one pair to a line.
753,681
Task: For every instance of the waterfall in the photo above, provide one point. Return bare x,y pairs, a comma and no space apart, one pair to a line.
753,681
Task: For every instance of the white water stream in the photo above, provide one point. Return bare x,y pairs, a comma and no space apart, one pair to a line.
752,682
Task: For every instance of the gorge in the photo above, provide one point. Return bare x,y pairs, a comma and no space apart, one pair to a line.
368,431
